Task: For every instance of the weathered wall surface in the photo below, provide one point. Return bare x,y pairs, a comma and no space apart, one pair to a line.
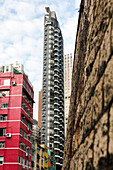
89,141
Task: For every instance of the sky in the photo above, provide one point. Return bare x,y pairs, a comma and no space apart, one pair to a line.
22,33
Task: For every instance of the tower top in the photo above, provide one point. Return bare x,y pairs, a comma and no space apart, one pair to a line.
50,13
47,9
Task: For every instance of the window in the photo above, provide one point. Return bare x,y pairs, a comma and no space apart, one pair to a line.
28,111
41,162
3,117
46,150
25,162
28,136
38,149
7,68
29,163
31,94
20,145
24,82
4,105
22,118
45,159
27,87
21,131
31,114
2,132
42,152
7,82
19,159
25,122
23,105
1,160
5,93
29,90
25,108
24,147
22,161
2,144
50,145
27,151
24,134
38,157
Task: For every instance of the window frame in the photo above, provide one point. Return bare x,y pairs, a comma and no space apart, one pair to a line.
4,104
1,160
4,132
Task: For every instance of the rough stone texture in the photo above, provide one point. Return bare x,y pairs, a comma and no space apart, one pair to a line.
89,141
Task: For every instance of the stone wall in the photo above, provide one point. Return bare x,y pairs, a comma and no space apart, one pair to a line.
89,141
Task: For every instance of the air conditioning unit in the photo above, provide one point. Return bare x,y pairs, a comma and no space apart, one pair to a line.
27,154
3,94
13,83
8,135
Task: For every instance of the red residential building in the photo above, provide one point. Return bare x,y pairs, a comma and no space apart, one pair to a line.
16,118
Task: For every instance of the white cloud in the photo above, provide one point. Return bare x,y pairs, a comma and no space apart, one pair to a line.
21,34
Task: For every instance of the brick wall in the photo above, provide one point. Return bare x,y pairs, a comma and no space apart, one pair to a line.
89,141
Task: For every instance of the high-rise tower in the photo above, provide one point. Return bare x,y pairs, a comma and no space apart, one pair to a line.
53,88
67,82
39,108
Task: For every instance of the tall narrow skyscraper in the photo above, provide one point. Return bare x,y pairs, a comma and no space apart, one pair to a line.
67,82
39,108
53,88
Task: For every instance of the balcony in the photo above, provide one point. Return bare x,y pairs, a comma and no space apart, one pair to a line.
56,135
56,69
56,30
61,144
56,122
57,116
56,103
56,86
57,149
56,39
56,59
56,75
55,63
56,54
56,44
55,128
56,142
56,109
57,156
56,80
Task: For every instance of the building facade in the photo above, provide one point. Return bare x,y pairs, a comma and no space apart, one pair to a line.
67,81
36,141
53,130
16,117
39,108
51,161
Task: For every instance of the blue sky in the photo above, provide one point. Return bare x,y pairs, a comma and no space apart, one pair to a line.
21,34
